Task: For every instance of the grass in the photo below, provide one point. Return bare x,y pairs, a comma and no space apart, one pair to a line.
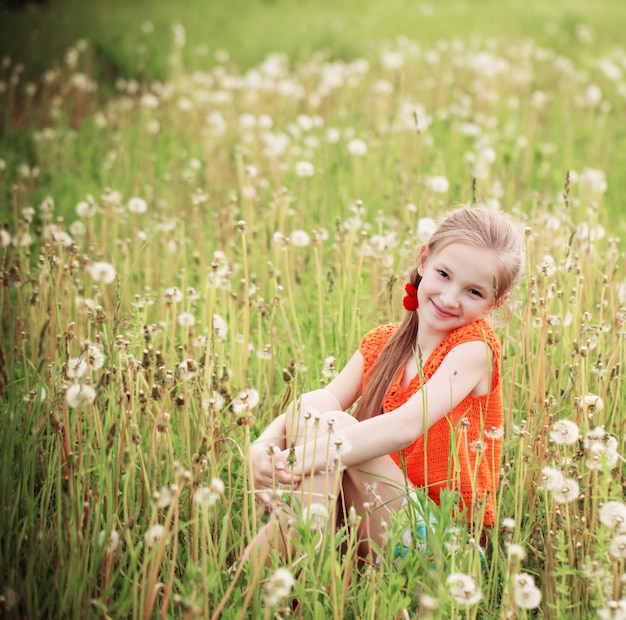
145,343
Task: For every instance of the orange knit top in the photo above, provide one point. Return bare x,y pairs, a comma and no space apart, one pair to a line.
463,450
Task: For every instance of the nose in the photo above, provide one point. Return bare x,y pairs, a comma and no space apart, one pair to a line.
450,298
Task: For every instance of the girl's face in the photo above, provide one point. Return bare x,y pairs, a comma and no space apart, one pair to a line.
457,285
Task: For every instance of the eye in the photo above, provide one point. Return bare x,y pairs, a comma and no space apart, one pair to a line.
475,293
442,273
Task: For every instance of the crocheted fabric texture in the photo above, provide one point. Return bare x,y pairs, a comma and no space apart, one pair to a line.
463,450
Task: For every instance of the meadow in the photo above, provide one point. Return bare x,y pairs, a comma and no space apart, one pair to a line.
194,234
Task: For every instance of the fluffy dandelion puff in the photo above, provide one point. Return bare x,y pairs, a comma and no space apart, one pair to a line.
613,515
567,492
617,548
278,587
515,552
357,148
173,295
463,589
110,542
304,169
187,369
102,272
154,535
316,515
220,328
76,367
551,479
592,402
208,496
438,184
245,400
79,394
300,238
5,238
564,432
86,208
425,228
186,319
93,356
526,594
137,205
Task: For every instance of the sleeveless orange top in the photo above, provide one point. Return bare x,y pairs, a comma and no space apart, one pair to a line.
463,450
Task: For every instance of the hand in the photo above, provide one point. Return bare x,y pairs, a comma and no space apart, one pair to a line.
269,467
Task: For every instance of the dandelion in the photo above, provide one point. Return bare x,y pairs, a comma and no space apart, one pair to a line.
102,272
208,496
551,478
304,169
187,369
300,238
425,228
86,208
278,587
93,356
592,402
525,593
5,238
110,542
76,367
463,589
565,432
220,328
602,455
438,184
617,548
245,400
154,535
515,552
613,515
508,524
357,148
80,394
186,319
329,370
567,492
316,515
137,205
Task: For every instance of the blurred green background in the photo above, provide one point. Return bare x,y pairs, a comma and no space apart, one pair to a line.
38,34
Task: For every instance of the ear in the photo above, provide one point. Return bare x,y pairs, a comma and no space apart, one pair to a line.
421,259
497,303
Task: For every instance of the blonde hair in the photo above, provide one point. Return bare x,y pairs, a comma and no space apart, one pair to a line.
480,227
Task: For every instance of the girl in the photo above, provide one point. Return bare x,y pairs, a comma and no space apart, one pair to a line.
429,409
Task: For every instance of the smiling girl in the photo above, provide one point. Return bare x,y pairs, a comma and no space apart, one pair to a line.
429,412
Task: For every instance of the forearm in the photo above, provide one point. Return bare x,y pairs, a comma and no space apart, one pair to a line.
275,434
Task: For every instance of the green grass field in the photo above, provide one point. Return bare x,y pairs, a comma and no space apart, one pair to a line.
205,206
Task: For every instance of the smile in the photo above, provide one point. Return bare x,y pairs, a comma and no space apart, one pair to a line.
441,312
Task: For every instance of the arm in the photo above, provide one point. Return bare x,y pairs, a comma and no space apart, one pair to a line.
457,376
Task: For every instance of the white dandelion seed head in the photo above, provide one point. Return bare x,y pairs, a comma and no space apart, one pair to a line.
525,593
279,586
357,148
617,548
564,432
76,367
300,238
245,401
205,496
463,589
93,356
5,238
567,492
516,552
186,319
592,402
173,294
217,486
187,369
425,228
162,498
613,515
137,205
102,272
316,514
551,478
220,328
304,169
80,394
86,208
154,535
438,184
508,524
110,542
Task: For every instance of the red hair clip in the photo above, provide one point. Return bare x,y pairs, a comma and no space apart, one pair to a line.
410,301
